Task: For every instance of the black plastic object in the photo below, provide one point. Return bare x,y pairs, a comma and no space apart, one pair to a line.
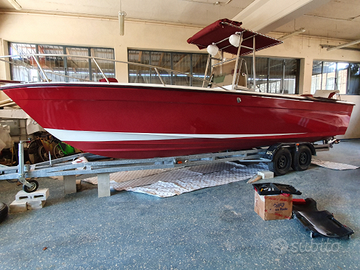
319,222
275,189
3,211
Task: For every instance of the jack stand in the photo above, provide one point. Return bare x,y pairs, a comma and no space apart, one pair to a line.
28,186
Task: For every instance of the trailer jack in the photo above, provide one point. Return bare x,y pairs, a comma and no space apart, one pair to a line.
28,185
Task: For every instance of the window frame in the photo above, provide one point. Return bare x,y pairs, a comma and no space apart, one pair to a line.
280,84
316,76
65,60
172,76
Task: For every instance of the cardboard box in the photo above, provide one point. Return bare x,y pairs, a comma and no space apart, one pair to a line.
271,207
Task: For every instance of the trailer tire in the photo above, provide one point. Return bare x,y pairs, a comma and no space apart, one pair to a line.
302,158
3,211
281,162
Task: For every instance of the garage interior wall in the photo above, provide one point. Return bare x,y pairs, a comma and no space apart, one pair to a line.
101,32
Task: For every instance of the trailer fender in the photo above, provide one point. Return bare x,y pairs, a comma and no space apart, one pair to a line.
270,152
311,147
293,147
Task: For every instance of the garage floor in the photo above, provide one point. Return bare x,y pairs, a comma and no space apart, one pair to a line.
212,228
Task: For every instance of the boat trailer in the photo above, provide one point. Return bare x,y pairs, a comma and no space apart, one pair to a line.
71,167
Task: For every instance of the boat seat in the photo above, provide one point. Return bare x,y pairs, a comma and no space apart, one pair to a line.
326,93
110,80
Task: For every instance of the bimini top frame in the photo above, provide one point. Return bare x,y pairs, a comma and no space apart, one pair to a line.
219,32
228,36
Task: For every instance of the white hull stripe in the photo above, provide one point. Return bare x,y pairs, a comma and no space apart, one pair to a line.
100,136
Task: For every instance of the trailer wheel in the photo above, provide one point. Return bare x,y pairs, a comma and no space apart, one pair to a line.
281,162
302,158
3,211
33,187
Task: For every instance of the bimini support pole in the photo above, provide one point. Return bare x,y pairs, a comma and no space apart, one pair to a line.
206,69
236,64
254,66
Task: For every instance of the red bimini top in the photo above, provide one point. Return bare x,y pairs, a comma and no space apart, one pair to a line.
220,31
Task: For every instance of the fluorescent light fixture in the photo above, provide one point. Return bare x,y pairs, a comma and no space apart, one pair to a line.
15,4
122,15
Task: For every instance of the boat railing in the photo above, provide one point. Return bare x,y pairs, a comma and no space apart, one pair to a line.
41,64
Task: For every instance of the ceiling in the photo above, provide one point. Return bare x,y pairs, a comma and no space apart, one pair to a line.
332,19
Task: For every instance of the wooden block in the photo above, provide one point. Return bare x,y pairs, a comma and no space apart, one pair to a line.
18,207
266,174
33,205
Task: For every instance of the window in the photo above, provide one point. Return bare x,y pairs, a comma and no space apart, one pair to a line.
354,79
341,76
59,68
275,75
193,64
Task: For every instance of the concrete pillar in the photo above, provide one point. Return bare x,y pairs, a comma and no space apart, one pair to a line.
69,184
103,185
306,65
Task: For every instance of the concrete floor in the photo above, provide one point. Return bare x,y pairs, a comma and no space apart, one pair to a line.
212,228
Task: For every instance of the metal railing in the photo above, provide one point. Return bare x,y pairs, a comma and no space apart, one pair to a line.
34,62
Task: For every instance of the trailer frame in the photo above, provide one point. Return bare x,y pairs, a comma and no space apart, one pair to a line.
102,167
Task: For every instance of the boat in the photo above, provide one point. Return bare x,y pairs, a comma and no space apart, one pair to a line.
137,121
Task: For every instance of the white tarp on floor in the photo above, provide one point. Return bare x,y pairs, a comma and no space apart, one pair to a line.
171,182
333,165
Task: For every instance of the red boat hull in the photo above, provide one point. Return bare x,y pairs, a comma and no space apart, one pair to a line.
132,121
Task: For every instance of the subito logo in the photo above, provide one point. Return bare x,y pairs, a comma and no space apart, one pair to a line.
280,246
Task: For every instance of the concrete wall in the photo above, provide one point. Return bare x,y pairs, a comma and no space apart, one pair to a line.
97,32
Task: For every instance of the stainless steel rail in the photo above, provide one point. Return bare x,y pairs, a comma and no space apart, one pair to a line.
9,59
